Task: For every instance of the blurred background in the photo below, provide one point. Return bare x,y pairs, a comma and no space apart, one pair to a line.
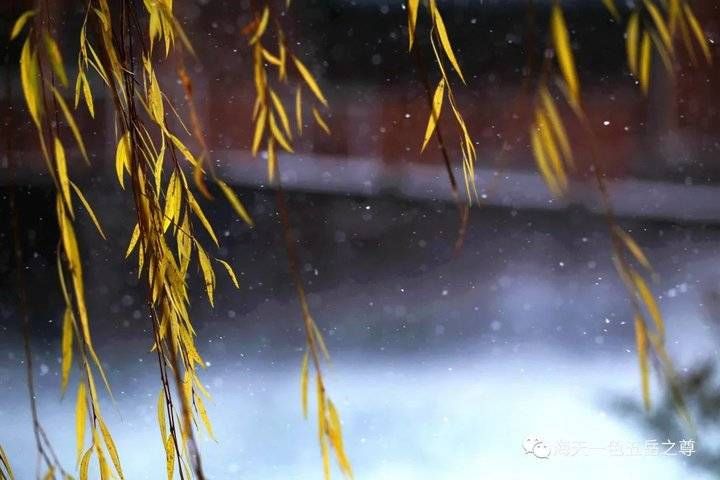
444,363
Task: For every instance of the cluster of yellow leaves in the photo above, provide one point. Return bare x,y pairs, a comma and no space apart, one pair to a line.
163,25
168,212
165,205
550,143
553,155
40,47
6,472
548,138
329,424
439,35
272,127
627,254
656,25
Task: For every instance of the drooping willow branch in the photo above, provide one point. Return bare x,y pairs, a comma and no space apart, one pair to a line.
273,128
150,152
125,65
649,25
553,154
45,451
436,99
41,69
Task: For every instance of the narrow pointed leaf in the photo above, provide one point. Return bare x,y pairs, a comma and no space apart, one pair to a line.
561,42
309,80
437,103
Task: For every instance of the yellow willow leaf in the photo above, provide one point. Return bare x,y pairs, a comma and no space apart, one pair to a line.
110,445
87,95
278,135
66,349
320,121
282,70
641,343
72,253
435,113
80,418
336,438
122,157
235,203
184,244
645,63
20,23
154,26
98,66
542,162
304,383
71,122
6,463
104,20
259,74
298,109
271,58
78,86
170,457
648,299
85,463
173,201
155,100
322,429
280,110
56,60
633,247
444,39
612,8
631,42
89,209
162,423
200,387
203,219
467,142
29,77
550,149
102,463
412,6
259,129
561,42
272,160
208,274
230,272
558,128
697,30
660,25
133,240
200,405
262,25
309,80
62,172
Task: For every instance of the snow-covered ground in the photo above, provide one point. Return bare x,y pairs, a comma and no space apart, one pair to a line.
442,365
448,417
